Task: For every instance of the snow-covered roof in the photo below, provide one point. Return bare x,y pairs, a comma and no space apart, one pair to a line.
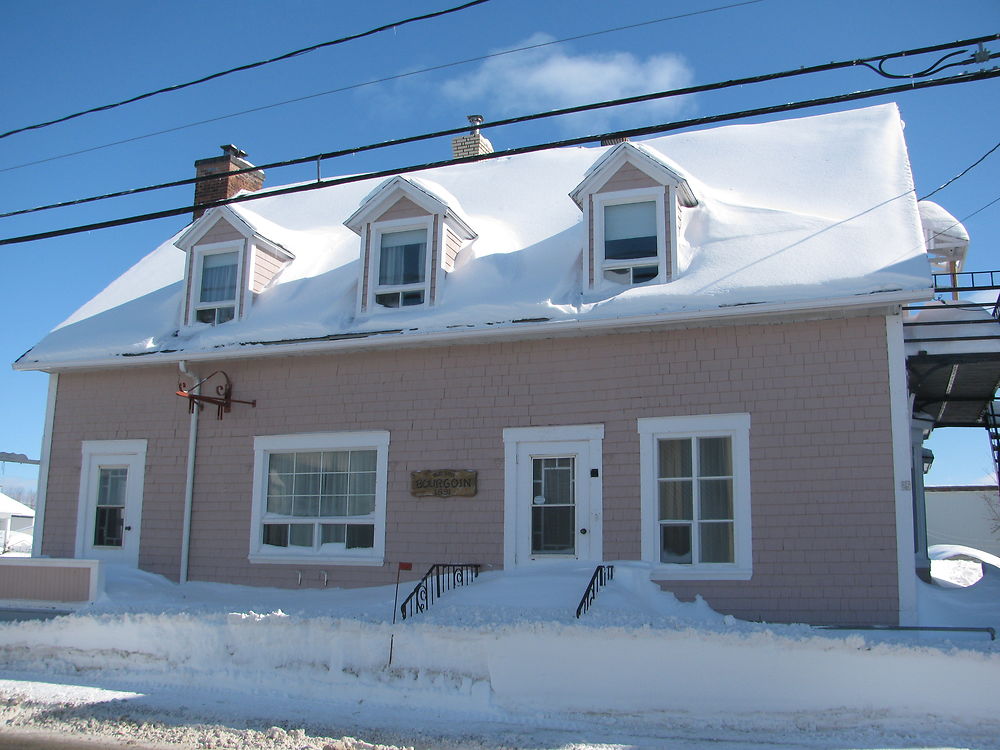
795,214
11,507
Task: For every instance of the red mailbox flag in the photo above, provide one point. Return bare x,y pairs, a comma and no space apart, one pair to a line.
406,566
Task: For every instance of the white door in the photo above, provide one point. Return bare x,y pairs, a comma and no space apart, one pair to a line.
110,510
553,504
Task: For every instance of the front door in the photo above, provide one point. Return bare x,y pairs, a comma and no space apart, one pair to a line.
111,500
553,508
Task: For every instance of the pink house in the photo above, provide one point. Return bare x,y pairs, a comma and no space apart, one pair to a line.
687,351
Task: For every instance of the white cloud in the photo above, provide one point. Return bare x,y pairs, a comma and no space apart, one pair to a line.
551,78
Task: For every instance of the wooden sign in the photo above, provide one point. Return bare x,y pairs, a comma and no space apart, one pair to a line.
443,483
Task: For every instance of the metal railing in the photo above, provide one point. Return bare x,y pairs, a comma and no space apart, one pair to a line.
439,578
991,632
602,575
966,281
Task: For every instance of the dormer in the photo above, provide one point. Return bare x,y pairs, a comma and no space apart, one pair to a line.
630,199
411,233
228,264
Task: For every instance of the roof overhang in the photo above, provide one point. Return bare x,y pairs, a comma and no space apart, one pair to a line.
879,303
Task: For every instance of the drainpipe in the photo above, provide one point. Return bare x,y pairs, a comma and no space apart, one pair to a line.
189,480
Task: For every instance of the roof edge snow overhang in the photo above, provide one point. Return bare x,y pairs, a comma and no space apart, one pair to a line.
511,330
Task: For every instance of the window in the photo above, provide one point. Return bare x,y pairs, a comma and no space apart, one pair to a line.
632,246
402,268
696,496
217,286
320,497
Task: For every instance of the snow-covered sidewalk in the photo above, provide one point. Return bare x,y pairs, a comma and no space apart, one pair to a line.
502,663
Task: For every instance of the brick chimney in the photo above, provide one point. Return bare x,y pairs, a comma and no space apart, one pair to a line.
473,144
225,187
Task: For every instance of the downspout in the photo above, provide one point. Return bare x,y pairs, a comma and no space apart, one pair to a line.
189,479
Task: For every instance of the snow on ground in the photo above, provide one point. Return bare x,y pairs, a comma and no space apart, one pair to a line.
503,663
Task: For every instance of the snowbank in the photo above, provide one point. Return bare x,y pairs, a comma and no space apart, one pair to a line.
663,655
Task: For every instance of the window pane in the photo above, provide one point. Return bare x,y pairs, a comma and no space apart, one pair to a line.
333,533
333,506
717,543
308,484
300,535
108,527
716,496
619,275
280,504
363,460
387,300
276,534
360,536
641,274
553,529
360,505
630,231
111,486
412,298
336,461
218,277
402,257
308,462
224,314
557,484
676,501
714,457
305,506
675,458
335,484
281,463
675,544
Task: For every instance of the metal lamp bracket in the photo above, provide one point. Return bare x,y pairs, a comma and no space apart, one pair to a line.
223,400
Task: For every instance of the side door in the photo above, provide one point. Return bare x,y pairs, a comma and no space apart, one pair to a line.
110,506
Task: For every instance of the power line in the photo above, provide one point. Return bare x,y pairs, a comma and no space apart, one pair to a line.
630,132
526,118
375,81
248,66
964,172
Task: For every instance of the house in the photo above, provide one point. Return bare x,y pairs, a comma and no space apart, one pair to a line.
15,517
687,350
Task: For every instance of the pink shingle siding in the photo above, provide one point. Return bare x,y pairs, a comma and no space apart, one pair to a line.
824,538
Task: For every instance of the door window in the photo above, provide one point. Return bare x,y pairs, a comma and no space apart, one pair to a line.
553,509
110,512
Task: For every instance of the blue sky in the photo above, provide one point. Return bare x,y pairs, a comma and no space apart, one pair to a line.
62,56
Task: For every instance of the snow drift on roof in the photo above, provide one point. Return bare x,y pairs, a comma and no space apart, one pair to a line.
798,212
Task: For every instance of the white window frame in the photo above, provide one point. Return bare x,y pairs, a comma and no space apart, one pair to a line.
264,445
200,252
737,428
388,227
618,197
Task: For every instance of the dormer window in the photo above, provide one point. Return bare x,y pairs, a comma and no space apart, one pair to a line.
631,242
229,263
402,268
411,231
630,200
217,287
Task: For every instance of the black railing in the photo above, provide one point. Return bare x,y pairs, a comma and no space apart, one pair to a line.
602,575
993,428
966,281
439,578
